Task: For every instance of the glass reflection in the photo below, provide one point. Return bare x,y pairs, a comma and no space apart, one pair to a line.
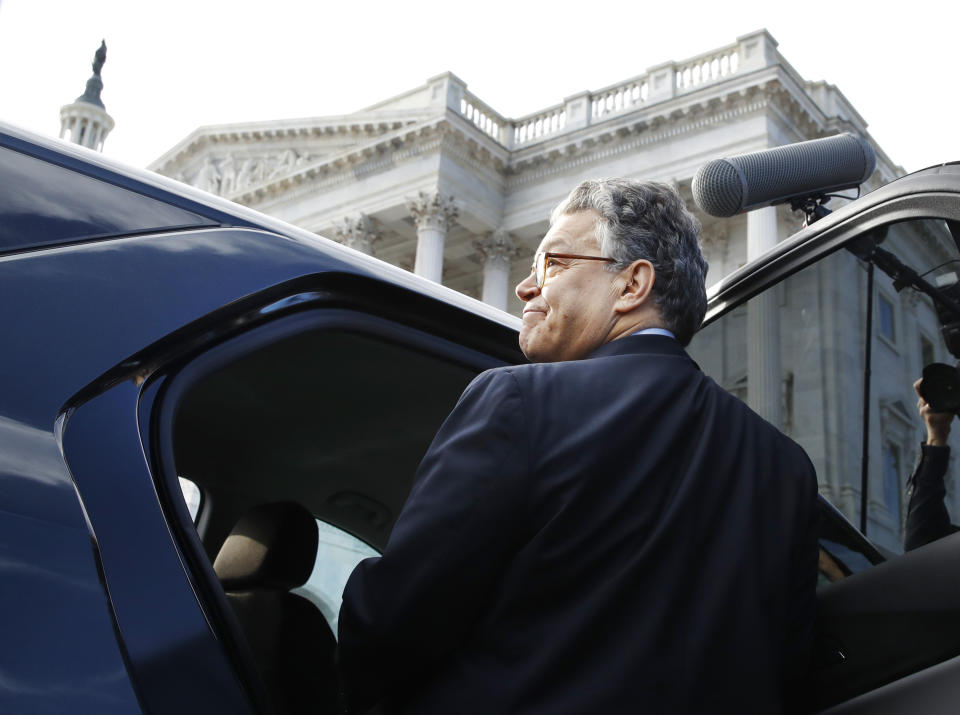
42,203
810,330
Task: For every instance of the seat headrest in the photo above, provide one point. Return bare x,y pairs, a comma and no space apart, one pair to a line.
272,546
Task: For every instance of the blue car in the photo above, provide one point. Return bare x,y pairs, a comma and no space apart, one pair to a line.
208,417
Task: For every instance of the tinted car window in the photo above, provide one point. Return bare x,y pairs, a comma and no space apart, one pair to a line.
338,553
192,496
42,204
796,354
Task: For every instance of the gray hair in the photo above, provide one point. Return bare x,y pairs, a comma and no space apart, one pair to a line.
648,220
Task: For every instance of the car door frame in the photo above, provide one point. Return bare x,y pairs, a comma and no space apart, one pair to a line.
111,438
931,194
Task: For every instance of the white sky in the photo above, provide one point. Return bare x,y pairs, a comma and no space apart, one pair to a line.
175,65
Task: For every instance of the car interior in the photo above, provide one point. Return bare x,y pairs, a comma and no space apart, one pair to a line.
846,395
317,431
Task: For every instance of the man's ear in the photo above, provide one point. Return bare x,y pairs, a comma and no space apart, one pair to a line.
637,288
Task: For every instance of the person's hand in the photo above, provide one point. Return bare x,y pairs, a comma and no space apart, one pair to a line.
938,423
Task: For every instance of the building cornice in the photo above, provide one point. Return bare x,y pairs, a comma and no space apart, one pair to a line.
359,126
449,132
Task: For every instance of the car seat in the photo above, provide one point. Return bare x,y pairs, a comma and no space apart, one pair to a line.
271,550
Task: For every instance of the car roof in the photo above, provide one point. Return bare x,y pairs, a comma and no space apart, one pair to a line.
229,213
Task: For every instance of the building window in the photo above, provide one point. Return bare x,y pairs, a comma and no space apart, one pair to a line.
891,479
885,321
927,354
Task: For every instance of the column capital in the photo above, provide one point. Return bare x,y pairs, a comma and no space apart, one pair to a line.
358,232
497,248
497,251
433,210
714,237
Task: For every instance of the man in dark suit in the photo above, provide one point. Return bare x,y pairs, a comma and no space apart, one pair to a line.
605,530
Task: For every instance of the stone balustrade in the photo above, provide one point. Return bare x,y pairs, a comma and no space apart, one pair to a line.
657,84
707,68
540,125
619,98
485,118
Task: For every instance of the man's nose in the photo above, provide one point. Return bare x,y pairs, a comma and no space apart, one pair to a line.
527,288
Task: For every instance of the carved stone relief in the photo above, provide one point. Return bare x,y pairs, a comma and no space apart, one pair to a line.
208,178
231,173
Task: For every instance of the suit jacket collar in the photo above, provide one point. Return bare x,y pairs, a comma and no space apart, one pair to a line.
642,344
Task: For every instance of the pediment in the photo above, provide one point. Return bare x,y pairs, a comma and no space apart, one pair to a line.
314,137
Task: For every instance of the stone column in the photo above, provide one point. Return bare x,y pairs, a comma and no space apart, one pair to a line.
358,232
433,213
496,252
763,326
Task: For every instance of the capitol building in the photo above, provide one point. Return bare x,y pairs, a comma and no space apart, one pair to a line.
437,181
440,183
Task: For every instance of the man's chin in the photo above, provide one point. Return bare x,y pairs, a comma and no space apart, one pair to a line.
534,351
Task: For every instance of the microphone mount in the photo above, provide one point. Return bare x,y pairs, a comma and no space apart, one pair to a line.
812,206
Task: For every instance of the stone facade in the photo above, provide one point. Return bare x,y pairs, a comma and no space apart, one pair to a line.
505,175
438,182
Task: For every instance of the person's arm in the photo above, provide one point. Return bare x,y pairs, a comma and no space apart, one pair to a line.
927,517
404,611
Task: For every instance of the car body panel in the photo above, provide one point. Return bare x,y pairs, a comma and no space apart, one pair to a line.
72,314
171,652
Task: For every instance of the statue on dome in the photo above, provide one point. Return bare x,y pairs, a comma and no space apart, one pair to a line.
100,57
95,83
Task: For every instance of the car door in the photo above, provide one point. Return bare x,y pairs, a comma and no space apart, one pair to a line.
325,393
789,335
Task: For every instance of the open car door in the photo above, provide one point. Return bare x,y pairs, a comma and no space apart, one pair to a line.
789,334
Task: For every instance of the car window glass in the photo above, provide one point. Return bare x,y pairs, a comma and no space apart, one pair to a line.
338,553
192,496
340,429
796,354
42,204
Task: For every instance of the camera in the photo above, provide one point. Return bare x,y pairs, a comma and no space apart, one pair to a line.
941,387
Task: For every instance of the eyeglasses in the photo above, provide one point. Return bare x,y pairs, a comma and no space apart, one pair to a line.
539,267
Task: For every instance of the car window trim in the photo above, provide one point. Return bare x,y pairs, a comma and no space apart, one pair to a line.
803,249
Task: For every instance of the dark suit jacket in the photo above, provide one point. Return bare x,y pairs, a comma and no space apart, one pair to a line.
927,517
611,535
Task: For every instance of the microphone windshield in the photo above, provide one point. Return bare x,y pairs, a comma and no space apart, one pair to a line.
725,187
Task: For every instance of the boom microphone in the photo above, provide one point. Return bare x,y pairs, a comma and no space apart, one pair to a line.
725,187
